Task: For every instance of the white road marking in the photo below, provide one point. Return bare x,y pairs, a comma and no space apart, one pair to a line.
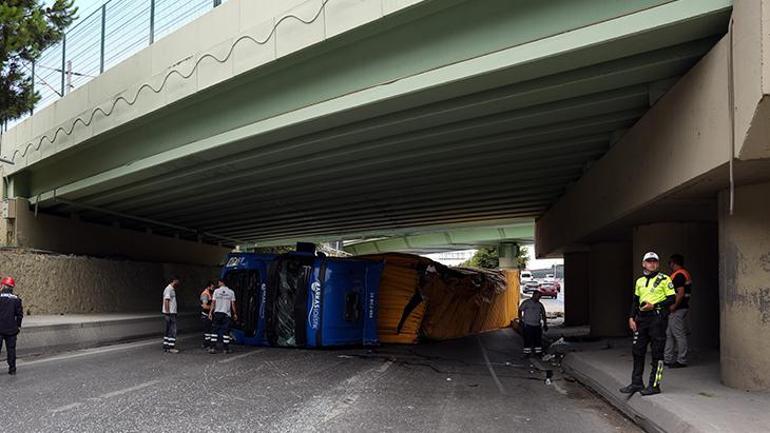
106,396
130,389
320,409
237,357
66,407
490,367
385,366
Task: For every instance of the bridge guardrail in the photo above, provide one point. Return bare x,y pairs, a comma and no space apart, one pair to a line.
104,38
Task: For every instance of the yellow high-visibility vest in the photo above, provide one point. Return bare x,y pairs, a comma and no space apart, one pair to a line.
654,290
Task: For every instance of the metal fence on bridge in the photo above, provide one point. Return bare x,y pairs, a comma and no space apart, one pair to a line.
104,38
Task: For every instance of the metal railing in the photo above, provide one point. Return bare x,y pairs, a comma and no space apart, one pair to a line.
104,38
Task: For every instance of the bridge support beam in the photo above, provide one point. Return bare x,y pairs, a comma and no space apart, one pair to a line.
507,251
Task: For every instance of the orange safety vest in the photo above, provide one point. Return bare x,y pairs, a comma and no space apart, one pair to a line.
683,271
687,286
209,295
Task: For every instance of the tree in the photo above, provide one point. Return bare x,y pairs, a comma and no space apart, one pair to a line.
522,258
485,258
488,258
27,27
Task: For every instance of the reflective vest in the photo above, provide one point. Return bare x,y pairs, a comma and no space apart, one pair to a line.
206,298
654,290
687,286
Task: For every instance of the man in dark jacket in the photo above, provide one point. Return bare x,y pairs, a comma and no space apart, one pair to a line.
11,313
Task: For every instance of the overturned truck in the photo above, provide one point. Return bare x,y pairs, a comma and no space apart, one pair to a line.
301,299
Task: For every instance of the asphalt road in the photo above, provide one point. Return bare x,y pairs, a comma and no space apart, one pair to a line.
477,384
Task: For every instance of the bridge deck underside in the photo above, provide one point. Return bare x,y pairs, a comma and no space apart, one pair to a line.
491,147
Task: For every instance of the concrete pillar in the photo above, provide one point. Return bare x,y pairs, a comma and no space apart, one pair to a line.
697,242
744,287
576,286
507,252
610,289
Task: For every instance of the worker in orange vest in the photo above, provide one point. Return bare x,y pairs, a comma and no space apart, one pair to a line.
676,333
207,295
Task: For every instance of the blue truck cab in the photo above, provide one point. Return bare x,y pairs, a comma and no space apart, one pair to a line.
246,274
319,301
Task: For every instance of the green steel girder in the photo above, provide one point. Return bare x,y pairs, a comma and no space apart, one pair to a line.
461,238
321,144
335,143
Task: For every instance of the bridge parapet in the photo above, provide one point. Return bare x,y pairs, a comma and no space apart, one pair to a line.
230,40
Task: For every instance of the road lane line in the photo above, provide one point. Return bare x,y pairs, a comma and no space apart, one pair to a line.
237,357
490,367
385,366
129,389
333,403
66,407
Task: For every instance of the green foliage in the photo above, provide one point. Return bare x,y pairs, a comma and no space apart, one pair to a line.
522,258
27,27
488,258
485,258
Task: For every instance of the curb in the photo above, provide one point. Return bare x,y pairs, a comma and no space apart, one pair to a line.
606,386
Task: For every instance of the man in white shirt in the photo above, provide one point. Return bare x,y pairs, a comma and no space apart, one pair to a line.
169,313
222,310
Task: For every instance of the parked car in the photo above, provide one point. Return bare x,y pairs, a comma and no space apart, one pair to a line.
550,289
549,279
525,277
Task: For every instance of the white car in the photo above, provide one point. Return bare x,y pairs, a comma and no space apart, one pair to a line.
525,277
528,282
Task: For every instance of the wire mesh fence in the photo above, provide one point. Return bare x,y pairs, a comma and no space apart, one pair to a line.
105,37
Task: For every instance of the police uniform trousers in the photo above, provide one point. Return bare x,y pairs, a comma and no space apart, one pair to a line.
650,329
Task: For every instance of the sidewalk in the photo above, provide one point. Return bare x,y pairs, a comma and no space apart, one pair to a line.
693,399
48,334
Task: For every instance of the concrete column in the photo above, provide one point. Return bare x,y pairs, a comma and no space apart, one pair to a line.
610,289
507,252
697,242
576,286
744,287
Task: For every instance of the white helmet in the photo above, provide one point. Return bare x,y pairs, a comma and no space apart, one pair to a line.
650,256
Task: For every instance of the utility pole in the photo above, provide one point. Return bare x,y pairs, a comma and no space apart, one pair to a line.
69,75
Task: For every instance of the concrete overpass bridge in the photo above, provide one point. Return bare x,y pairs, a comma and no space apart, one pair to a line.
344,117
618,126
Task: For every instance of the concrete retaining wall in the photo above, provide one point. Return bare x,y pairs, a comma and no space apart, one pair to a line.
58,284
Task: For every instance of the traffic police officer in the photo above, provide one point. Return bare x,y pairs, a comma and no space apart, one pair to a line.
11,313
653,295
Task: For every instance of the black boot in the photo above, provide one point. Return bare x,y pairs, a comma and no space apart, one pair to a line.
12,371
656,375
630,389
